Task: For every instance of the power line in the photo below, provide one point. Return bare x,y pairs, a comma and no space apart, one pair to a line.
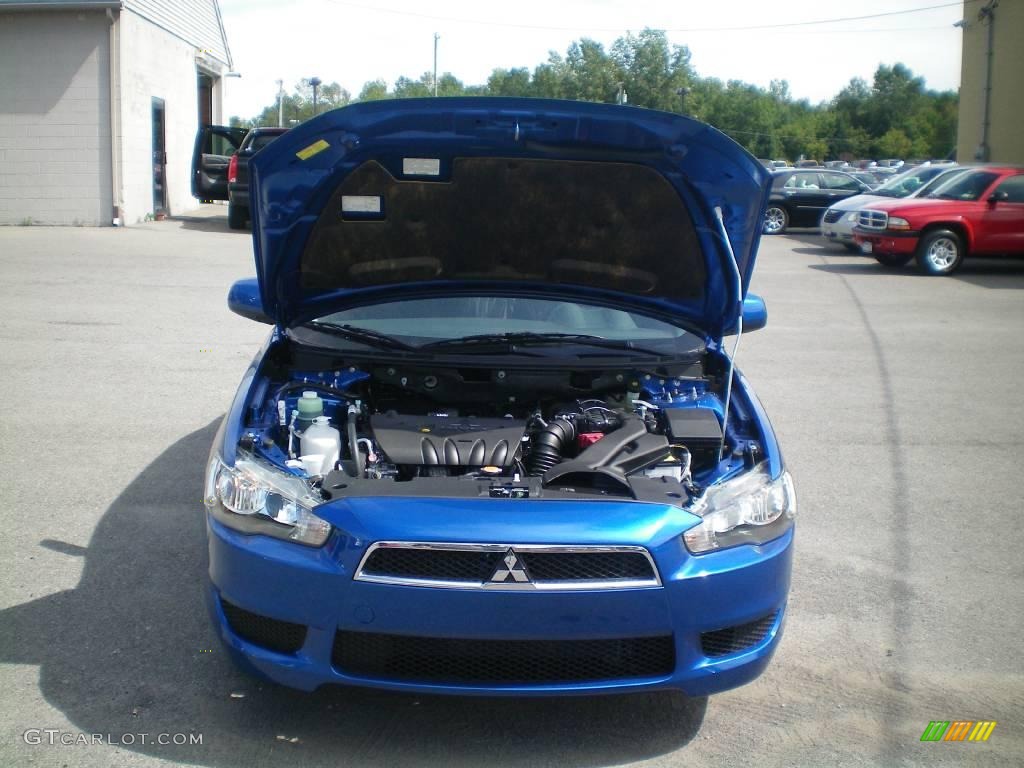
752,27
860,31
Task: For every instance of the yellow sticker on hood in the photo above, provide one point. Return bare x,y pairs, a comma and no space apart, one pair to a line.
316,147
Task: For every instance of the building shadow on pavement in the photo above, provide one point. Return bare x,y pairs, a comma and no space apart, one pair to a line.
209,223
131,651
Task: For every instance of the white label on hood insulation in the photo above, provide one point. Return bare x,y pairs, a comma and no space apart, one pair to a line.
421,166
360,203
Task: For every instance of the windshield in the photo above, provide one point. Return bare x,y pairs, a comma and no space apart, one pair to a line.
939,180
422,322
967,186
260,140
905,184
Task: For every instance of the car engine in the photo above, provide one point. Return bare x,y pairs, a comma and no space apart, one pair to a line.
515,434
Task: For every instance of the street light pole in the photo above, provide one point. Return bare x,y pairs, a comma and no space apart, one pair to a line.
436,38
682,93
315,82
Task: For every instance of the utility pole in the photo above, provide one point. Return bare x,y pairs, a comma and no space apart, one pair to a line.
280,103
436,38
682,93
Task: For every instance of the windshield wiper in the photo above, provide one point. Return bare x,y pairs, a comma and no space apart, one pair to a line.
526,338
362,335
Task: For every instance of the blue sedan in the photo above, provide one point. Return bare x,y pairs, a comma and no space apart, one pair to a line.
495,442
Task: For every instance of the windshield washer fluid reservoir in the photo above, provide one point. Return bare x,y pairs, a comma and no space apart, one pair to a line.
321,439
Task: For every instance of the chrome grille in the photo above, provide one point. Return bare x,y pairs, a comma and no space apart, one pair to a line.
540,567
873,219
832,216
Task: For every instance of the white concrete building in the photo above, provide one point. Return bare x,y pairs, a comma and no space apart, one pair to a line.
99,105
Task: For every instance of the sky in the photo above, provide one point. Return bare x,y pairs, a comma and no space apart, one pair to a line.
354,41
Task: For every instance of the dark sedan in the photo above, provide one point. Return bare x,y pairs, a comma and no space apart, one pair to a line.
799,197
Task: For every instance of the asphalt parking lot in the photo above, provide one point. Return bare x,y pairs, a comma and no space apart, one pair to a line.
896,399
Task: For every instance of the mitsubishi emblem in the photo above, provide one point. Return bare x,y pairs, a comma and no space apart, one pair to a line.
510,570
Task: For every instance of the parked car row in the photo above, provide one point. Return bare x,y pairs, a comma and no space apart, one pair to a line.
977,212
839,220
937,214
893,164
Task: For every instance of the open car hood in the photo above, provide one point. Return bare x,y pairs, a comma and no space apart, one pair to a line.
598,202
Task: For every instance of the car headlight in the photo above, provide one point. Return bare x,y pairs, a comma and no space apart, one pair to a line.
895,222
852,216
254,497
750,509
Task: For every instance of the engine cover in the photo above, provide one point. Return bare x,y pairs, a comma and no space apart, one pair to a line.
447,441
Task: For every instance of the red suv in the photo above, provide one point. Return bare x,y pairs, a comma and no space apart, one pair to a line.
978,213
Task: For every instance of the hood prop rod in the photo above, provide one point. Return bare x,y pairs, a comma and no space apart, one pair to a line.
739,326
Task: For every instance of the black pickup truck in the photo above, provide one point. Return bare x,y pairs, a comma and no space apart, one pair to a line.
238,173
220,166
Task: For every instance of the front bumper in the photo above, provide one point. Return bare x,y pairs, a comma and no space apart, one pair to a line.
837,232
886,242
314,589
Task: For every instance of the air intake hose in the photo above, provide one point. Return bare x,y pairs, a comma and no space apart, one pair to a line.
547,447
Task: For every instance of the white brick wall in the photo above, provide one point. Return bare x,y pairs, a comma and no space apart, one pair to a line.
54,118
55,145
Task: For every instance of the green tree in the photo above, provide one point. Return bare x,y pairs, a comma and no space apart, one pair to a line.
893,116
549,78
449,85
590,74
896,94
651,71
510,82
895,144
373,90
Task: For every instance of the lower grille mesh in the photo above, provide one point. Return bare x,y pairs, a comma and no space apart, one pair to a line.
722,642
433,659
443,565
272,634
579,566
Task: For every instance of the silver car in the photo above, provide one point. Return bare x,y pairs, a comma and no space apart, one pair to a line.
838,221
